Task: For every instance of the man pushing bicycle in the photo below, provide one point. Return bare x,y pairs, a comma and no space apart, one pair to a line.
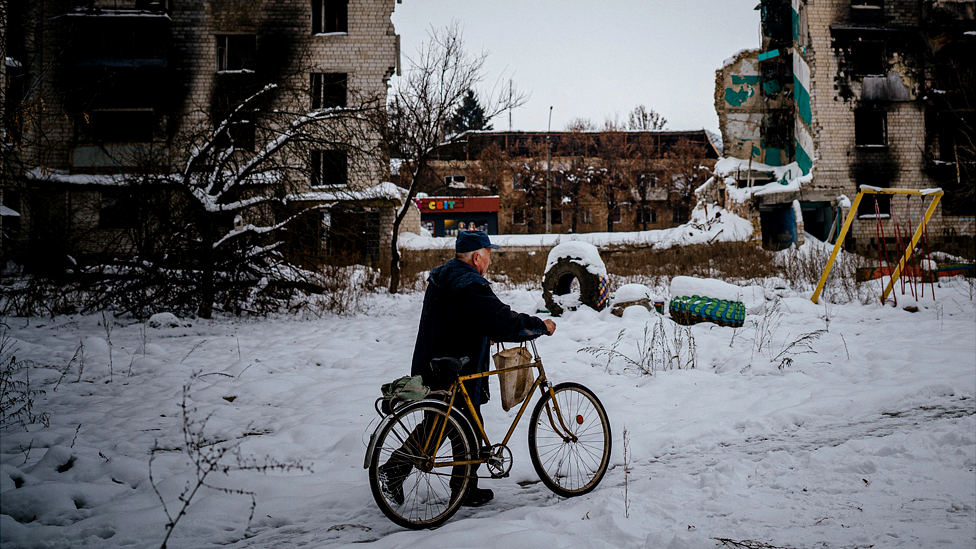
460,319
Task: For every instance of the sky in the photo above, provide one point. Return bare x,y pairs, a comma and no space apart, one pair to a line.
594,59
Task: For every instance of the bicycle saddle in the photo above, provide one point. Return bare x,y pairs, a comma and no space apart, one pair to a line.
448,364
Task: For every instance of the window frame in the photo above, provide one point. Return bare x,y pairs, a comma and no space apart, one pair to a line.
556,216
455,178
647,215
863,135
326,87
323,18
320,175
859,52
224,50
516,213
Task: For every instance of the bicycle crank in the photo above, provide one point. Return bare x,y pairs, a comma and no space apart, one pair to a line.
499,461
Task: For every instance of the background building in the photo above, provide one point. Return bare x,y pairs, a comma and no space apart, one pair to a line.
101,95
598,181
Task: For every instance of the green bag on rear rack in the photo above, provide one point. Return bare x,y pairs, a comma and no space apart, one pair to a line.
405,388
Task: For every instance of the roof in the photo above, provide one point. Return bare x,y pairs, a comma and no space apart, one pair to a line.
519,144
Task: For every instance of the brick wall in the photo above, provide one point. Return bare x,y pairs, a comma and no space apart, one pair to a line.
840,164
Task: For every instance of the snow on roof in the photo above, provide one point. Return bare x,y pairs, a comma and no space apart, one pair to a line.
385,190
715,225
736,55
7,212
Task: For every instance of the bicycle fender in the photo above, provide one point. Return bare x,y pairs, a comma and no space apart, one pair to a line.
371,447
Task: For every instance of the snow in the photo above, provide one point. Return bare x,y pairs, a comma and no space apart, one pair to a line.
581,253
732,59
868,440
711,224
385,190
631,292
786,179
843,201
7,212
705,287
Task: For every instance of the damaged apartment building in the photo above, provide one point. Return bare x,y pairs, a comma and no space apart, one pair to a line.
104,97
843,93
594,181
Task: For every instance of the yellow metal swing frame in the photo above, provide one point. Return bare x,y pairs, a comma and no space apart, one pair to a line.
936,195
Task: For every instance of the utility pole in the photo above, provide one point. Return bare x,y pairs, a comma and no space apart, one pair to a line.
549,174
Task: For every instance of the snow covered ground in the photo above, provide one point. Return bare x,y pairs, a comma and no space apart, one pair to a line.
867,440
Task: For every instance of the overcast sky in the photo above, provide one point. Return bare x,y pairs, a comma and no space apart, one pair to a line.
595,58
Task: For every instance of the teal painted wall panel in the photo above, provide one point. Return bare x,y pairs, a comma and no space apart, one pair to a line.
737,97
803,158
773,157
748,79
802,101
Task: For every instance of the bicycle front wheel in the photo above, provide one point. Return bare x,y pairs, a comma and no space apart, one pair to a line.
572,455
406,482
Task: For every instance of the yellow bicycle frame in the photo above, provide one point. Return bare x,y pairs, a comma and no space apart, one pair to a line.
458,387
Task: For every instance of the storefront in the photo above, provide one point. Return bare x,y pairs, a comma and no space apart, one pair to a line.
446,215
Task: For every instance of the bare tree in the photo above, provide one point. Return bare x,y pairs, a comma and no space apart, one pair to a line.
423,102
580,125
614,150
642,118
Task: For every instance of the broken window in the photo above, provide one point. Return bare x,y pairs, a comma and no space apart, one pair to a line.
957,152
556,216
330,16
870,128
329,168
874,205
518,216
615,214
235,52
328,90
120,126
586,216
868,58
240,132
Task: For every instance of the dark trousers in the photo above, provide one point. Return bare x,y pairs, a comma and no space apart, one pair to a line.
399,465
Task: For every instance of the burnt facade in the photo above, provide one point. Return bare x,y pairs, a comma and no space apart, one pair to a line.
867,92
98,92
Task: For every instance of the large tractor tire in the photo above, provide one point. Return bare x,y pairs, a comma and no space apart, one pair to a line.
558,280
688,310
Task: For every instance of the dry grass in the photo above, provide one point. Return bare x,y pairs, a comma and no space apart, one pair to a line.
736,262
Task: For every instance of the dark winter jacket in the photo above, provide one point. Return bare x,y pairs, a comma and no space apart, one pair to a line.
461,314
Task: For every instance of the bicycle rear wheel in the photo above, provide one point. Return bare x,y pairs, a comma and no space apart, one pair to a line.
405,486
573,462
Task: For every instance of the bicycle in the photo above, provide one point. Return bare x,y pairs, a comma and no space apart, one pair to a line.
433,447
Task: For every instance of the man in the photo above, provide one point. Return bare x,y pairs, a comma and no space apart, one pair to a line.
460,319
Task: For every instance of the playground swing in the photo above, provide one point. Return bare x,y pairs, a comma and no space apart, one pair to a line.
905,253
